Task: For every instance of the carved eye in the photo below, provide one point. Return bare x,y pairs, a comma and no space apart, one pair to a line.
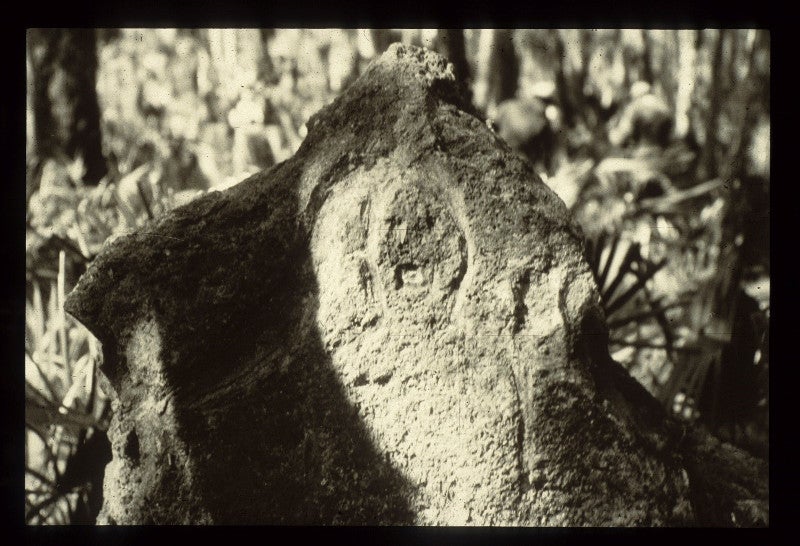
422,251
408,274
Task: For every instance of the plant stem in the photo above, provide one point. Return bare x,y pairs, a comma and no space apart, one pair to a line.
62,315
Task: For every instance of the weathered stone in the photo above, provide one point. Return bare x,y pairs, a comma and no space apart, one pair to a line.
394,326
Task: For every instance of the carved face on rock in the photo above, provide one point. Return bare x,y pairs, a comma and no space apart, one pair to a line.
437,308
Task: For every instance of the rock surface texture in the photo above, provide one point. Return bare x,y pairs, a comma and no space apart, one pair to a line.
395,326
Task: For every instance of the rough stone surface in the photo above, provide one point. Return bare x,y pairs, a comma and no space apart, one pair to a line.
395,326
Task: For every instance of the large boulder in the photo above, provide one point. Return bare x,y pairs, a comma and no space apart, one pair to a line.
395,326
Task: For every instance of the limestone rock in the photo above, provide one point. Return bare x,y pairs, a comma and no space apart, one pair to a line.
394,326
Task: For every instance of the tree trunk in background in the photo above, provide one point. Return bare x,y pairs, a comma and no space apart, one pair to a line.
480,88
498,69
381,38
65,109
669,66
708,161
31,153
562,89
238,61
686,80
734,54
410,36
571,46
451,46
506,65
236,55
30,139
647,54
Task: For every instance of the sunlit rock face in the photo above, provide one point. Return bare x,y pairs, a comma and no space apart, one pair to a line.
395,326
431,327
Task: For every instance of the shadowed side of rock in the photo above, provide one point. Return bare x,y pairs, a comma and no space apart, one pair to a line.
249,412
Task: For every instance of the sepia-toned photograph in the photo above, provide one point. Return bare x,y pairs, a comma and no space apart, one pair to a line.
397,277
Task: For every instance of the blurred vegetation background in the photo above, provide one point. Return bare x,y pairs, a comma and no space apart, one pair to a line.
657,140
